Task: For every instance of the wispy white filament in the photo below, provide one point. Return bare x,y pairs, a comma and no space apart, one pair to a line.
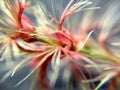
81,44
38,65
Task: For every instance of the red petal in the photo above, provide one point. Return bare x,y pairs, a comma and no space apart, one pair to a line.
74,55
64,37
42,74
27,24
42,71
35,61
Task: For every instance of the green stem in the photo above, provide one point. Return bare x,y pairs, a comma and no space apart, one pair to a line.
95,54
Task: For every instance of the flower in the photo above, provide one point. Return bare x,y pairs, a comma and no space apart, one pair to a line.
55,43
67,38
14,24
